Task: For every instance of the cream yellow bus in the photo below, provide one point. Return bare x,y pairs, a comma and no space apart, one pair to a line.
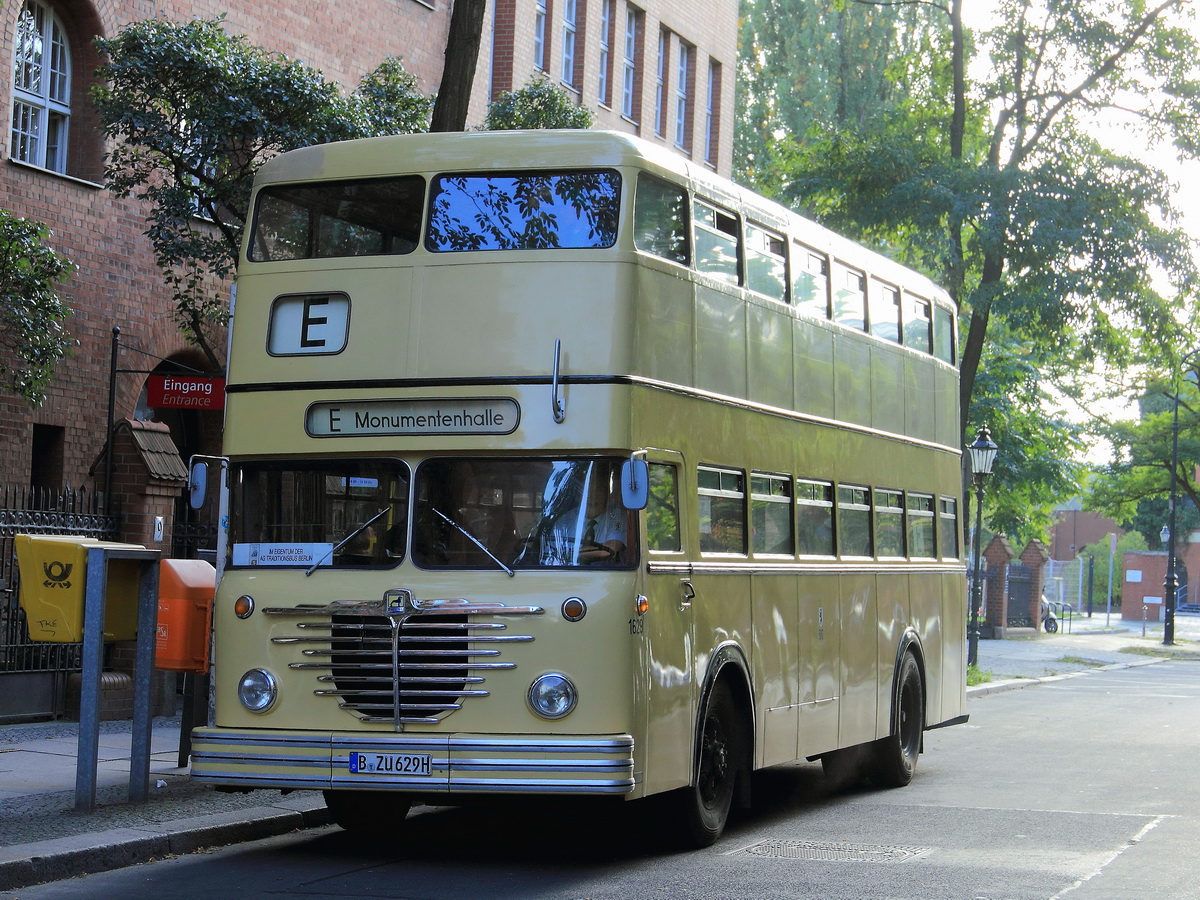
558,465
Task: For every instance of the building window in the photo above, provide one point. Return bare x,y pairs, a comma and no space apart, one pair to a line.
569,31
712,114
683,85
660,86
41,89
629,61
540,50
606,26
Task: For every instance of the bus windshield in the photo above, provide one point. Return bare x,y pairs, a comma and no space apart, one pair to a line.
525,513
338,513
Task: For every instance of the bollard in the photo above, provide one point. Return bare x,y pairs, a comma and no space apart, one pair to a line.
1145,609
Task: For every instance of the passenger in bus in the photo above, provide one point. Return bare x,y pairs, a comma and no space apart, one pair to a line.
592,534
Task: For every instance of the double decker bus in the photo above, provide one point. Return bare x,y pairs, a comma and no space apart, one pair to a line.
558,465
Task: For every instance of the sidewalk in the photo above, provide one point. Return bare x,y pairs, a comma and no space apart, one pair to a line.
42,838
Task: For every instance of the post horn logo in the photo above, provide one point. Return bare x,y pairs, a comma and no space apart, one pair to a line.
57,574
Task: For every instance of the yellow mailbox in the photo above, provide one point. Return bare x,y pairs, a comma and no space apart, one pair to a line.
53,570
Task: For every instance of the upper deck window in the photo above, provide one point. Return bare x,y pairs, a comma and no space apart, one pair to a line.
542,211
716,241
660,219
337,218
766,262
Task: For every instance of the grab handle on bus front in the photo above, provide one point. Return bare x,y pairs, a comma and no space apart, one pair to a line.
556,404
687,593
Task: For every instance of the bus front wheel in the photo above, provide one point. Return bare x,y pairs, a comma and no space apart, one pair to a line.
707,801
894,758
363,811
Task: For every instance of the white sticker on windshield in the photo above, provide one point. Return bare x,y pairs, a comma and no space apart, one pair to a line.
282,554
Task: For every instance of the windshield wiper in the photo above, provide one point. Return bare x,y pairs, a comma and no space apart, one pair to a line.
474,540
347,539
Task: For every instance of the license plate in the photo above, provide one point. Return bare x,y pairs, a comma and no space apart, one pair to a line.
389,763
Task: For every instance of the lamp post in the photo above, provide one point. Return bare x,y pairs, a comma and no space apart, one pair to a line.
1171,582
983,455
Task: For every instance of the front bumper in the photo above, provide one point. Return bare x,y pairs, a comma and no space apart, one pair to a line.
459,763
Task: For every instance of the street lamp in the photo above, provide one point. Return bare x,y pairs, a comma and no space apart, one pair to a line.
983,455
1171,582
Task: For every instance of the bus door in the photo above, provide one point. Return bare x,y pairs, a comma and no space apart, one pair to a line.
667,633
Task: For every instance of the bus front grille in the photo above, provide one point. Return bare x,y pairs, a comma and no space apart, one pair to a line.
401,670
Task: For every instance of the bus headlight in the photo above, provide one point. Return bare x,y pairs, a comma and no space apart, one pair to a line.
257,690
552,695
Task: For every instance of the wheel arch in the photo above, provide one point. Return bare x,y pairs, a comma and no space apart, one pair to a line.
910,642
728,663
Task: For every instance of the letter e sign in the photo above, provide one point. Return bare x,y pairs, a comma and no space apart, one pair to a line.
305,324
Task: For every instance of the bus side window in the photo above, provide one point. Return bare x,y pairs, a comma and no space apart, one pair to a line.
884,306
660,219
918,323
766,263
716,242
810,281
662,512
854,521
920,527
849,297
722,510
814,515
889,523
943,334
948,527
771,514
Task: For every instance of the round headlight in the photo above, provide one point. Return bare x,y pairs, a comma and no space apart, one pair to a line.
257,690
552,696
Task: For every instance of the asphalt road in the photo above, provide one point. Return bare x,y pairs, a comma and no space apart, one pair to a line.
1085,788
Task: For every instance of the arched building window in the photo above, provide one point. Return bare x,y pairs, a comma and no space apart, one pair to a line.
41,89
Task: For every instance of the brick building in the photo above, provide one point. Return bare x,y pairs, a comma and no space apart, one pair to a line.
662,70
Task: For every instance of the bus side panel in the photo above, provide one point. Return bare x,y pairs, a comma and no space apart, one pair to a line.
820,675
860,660
926,599
954,649
894,617
663,335
776,667
720,341
665,757
770,356
887,389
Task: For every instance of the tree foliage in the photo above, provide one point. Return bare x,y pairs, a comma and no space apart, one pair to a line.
32,335
540,104
193,112
1004,189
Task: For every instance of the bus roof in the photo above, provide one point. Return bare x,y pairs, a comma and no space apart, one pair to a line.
434,153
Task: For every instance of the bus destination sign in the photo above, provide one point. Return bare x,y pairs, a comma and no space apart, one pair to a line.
450,415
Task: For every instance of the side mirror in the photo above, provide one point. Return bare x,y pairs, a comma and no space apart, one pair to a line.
198,485
635,483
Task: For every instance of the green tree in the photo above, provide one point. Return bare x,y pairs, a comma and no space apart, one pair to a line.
193,112
32,335
1134,487
1002,190
540,104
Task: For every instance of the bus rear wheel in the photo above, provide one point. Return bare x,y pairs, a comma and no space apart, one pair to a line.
894,758
707,801
364,812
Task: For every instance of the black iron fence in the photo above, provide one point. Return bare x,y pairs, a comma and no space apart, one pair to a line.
31,672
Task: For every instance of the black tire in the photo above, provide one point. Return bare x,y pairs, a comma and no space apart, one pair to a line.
894,758
706,803
367,812
1051,626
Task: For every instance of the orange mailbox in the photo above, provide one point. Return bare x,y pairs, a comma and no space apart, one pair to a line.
185,599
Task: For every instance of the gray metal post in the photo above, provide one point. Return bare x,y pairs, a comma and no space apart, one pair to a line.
139,760
89,688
